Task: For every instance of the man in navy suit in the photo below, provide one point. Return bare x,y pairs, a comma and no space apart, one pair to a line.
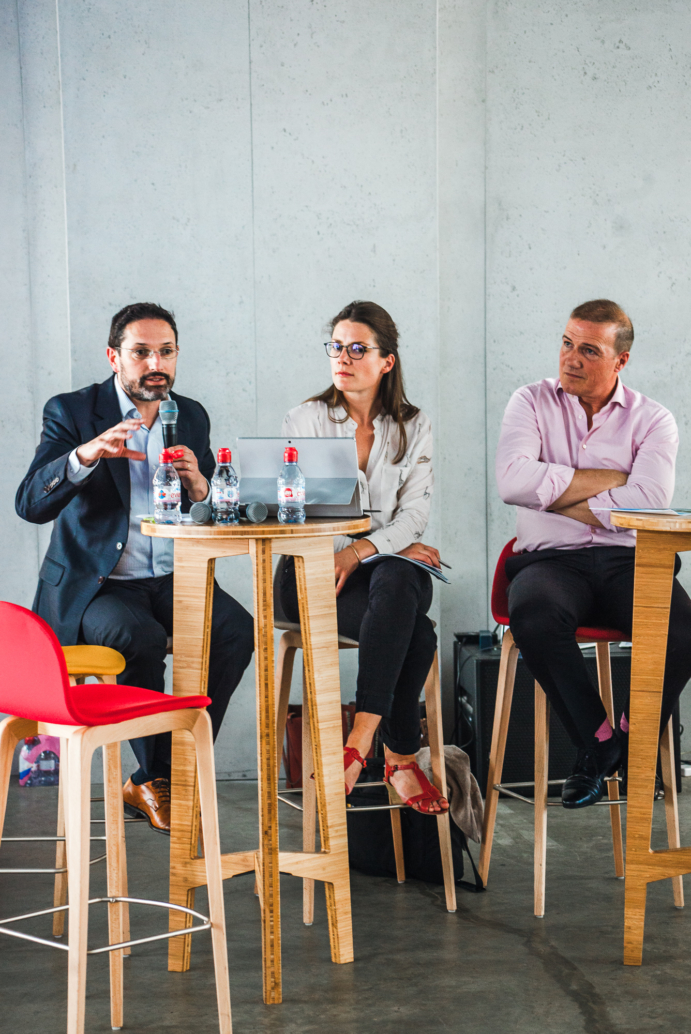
102,581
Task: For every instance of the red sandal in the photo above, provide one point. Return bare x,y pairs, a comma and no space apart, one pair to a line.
351,754
421,801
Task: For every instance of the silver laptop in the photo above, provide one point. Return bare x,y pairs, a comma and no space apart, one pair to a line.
329,464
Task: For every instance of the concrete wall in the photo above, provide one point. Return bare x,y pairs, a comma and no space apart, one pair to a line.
476,167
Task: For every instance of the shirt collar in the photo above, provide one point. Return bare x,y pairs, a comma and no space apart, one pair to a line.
619,395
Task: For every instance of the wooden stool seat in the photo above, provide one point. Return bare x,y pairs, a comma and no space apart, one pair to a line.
93,661
601,637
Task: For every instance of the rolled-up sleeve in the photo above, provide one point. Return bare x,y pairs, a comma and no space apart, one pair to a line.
414,497
523,479
651,481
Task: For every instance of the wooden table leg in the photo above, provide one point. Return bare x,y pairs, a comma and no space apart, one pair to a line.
317,599
193,593
651,604
269,888
309,809
193,588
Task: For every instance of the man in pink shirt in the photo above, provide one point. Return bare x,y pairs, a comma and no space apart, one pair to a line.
570,450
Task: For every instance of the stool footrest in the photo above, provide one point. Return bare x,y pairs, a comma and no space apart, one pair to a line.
505,788
205,924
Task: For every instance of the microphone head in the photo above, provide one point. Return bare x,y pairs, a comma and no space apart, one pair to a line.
200,513
255,512
168,411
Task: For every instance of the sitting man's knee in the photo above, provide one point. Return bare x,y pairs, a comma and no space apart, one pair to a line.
532,620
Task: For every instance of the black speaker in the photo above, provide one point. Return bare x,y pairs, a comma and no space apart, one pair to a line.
476,675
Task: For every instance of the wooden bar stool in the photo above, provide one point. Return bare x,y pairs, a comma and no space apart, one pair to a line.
601,637
36,689
290,641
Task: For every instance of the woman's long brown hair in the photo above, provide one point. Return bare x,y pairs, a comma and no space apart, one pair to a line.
392,396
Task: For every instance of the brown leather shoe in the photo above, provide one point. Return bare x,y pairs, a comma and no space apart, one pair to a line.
150,801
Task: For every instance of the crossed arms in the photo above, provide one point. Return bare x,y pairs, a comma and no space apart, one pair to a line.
586,484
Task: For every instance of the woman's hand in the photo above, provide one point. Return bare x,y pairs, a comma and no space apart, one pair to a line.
346,560
419,551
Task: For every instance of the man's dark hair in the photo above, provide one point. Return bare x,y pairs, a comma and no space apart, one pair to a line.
132,314
604,311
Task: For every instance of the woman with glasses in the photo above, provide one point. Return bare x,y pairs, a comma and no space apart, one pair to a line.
382,605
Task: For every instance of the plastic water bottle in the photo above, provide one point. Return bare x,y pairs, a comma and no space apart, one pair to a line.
291,490
225,491
48,768
166,491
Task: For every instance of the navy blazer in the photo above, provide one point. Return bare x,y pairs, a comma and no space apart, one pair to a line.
91,517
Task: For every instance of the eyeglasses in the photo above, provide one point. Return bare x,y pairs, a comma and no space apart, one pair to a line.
355,351
142,354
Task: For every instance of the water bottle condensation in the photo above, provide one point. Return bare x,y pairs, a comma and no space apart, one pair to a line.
291,490
225,490
167,491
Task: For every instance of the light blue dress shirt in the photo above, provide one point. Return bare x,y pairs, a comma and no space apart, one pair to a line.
142,557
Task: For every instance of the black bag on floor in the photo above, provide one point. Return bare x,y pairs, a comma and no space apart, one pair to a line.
370,840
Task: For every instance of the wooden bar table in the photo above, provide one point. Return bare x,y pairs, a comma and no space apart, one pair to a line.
196,550
658,538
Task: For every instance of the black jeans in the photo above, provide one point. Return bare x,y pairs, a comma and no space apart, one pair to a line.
552,593
135,616
384,607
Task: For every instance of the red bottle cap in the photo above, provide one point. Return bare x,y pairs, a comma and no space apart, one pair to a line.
165,456
224,456
290,455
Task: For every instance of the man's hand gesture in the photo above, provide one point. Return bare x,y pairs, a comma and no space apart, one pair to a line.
111,445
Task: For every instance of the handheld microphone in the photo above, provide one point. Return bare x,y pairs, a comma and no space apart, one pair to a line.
168,412
254,512
200,513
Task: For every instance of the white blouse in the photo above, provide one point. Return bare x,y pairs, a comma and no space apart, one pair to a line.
402,492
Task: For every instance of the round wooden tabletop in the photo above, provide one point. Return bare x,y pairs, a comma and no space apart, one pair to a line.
271,528
650,521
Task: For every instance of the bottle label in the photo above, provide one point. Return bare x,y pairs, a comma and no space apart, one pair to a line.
291,495
167,496
226,495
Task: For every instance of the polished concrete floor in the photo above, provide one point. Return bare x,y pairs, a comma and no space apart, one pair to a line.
489,968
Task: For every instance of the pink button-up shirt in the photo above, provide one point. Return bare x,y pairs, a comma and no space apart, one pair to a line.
545,439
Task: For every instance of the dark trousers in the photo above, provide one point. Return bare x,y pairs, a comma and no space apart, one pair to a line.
552,593
384,607
136,617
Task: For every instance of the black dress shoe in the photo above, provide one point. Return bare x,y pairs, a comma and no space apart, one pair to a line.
586,784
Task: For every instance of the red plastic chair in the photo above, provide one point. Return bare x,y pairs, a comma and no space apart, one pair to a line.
35,690
601,637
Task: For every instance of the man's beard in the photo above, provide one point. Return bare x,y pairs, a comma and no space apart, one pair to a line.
138,389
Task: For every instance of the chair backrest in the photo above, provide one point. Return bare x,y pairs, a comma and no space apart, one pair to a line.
34,682
500,587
